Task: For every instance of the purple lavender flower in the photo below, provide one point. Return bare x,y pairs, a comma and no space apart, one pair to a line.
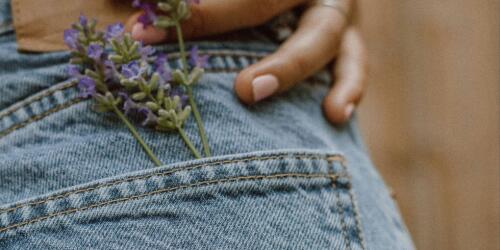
131,70
196,60
73,70
114,31
86,85
178,92
149,15
146,52
161,66
128,104
83,20
71,38
95,51
151,118
161,59
109,70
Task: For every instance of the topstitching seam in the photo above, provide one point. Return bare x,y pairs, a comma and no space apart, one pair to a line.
356,210
39,117
178,169
165,190
36,98
61,107
49,91
342,221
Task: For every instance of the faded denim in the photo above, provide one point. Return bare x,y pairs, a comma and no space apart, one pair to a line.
282,177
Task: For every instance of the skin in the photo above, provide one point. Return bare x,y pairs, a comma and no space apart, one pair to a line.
322,36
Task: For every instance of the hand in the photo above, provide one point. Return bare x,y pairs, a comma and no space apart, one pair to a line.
321,37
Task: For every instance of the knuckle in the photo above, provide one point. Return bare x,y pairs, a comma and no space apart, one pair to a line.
300,65
333,27
358,88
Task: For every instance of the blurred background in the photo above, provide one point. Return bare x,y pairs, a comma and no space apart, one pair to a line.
431,115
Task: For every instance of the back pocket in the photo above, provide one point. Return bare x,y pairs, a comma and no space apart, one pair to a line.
263,200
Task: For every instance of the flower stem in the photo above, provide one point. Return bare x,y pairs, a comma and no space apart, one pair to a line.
199,122
192,103
136,135
182,48
189,143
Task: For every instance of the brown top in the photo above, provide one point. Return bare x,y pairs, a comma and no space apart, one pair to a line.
39,25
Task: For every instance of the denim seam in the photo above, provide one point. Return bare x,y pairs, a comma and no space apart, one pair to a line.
330,159
37,98
356,209
49,91
60,107
168,190
39,117
342,221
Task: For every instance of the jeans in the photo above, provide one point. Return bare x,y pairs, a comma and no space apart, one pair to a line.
282,177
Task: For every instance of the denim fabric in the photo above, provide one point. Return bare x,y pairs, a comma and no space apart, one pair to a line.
282,176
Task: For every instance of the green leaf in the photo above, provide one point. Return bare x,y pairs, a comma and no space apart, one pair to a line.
164,7
153,106
139,96
163,113
185,113
160,95
195,75
179,77
153,83
116,59
164,22
182,9
133,48
129,84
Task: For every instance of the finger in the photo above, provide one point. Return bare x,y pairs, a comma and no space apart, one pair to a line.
148,35
350,73
312,46
215,17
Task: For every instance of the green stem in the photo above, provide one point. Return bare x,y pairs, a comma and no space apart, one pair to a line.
199,122
189,143
182,48
136,135
192,103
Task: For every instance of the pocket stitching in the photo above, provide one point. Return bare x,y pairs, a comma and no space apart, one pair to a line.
330,159
355,207
342,221
333,177
39,117
225,68
63,106
172,56
36,98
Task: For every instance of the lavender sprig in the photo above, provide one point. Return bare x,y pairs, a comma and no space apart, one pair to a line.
88,51
124,77
170,14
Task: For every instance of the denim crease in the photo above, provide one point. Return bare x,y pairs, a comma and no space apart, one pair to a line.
282,177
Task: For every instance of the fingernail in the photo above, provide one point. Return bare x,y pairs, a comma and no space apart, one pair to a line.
264,86
137,31
348,111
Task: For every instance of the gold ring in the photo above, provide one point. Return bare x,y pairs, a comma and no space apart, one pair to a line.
339,5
